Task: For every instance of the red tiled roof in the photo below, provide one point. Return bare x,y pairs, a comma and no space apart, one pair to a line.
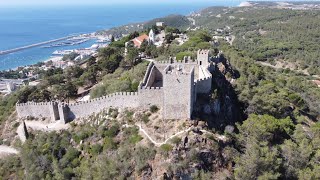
138,40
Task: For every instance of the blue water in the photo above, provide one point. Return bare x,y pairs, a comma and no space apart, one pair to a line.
22,26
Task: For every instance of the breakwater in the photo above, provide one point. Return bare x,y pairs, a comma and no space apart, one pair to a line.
33,45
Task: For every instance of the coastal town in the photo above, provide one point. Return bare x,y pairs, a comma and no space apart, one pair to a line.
70,57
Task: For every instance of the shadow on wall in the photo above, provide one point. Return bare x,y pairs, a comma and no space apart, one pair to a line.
221,106
71,116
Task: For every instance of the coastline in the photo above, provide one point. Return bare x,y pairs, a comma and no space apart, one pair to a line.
30,56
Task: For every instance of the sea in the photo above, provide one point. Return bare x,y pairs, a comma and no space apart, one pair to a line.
21,26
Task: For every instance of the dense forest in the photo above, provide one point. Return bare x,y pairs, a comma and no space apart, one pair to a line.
270,35
268,116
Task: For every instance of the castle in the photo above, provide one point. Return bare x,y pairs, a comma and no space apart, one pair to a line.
172,86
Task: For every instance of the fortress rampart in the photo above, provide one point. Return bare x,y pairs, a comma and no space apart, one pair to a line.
116,100
40,110
172,86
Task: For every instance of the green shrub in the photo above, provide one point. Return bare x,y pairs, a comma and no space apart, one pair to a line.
112,131
16,124
95,149
80,136
166,148
176,140
180,55
145,118
154,108
134,139
68,173
141,156
129,115
108,143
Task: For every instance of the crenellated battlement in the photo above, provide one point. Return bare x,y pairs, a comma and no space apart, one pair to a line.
106,98
185,60
204,79
151,88
162,62
203,52
36,104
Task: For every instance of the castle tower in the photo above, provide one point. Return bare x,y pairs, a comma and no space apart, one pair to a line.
54,112
63,113
203,58
178,96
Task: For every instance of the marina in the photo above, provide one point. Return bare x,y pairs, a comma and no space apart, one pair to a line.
33,45
68,42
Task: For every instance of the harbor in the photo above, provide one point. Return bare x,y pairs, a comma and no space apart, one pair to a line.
81,44
69,42
34,45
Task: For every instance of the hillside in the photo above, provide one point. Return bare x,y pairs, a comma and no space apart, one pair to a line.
259,120
177,21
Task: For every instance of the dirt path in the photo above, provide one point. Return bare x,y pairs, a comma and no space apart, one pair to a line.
165,142
232,39
153,141
7,150
220,137
305,72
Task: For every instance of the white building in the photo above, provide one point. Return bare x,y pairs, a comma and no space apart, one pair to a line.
151,37
160,24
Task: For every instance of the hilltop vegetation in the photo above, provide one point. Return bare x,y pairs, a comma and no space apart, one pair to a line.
268,118
271,35
177,21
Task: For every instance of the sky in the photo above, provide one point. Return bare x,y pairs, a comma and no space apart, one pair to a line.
107,2
4,3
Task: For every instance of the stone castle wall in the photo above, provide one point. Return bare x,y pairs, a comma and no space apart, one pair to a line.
40,110
203,85
150,96
66,112
116,100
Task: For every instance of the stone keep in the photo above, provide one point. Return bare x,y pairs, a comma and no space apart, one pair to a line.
178,92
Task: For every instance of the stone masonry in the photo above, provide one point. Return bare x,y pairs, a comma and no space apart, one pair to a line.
172,86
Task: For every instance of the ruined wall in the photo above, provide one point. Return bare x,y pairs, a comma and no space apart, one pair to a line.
39,110
116,100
